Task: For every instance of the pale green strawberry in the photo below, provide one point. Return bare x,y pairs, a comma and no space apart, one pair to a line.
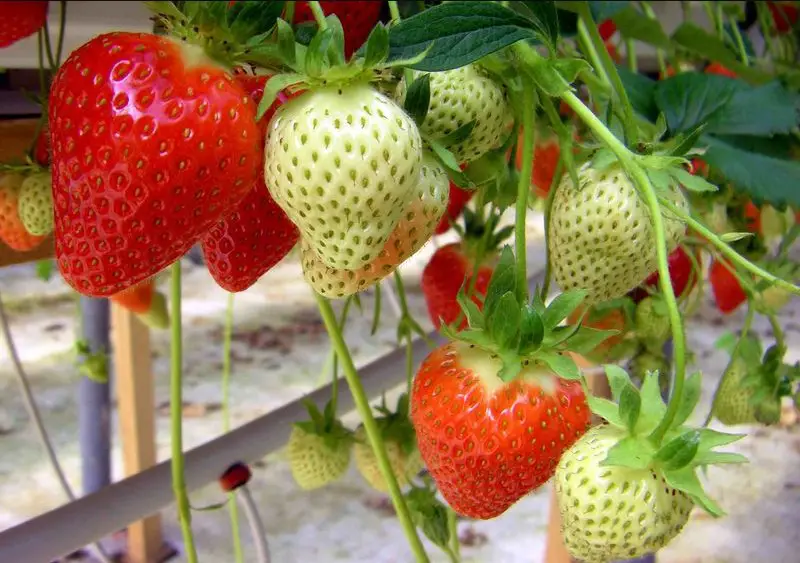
35,204
405,465
316,460
732,404
774,298
463,95
768,411
610,512
342,162
601,236
652,322
646,361
415,228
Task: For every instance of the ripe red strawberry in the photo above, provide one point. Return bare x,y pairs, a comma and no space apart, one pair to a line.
717,68
358,19
455,205
680,273
727,290
257,235
12,230
41,147
607,28
153,143
752,215
19,20
784,15
485,442
146,302
614,52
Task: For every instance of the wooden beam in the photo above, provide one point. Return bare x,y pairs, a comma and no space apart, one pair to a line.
9,257
136,400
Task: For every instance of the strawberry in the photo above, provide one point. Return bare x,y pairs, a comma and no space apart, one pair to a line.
717,68
732,403
613,52
601,234
35,203
610,512
608,316
727,290
455,204
140,170
12,230
415,228
318,449
19,20
652,322
646,361
41,147
258,234
784,16
149,305
752,215
607,28
343,163
358,19
461,96
681,274
546,153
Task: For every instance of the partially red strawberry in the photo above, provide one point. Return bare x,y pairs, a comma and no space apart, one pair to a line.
455,205
257,235
727,290
680,273
358,19
146,302
19,20
607,28
152,144
12,230
784,15
717,68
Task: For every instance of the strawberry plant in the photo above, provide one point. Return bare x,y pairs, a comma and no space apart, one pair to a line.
356,138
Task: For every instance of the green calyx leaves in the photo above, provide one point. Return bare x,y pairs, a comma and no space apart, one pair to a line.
395,426
522,333
325,424
638,412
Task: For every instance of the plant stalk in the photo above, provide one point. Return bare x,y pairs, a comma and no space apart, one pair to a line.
524,188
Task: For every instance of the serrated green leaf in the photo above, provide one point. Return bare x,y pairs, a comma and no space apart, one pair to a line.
653,407
630,452
689,398
562,365
561,307
634,25
418,98
377,46
689,99
686,480
286,43
605,409
248,18
274,85
503,323
630,404
531,330
544,17
585,339
457,34
678,452
475,318
692,182
762,111
710,439
618,378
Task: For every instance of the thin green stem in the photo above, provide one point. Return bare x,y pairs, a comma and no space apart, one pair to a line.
227,339
62,23
394,11
748,321
176,412
452,527
548,205
319,15
288,14
630,52
729,252
737,37
335,367
48,49
589,49
371,428
409,364
524,187
777,331
662,64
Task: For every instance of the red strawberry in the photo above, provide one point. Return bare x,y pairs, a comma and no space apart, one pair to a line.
784,15
546,153
144,300
752,216
485,442
41,148
612,50
680,273
607,28
727,290
358,19
716,68
455,205
19,20
257,235
152,144
12,230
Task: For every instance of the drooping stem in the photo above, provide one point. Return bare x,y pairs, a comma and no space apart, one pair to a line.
335,368
176,412
591,52
524,187
371,428
62,24
319,15
737,37
227,338
48,48
256,525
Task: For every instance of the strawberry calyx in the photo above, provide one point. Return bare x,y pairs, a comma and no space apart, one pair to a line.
525,335
636,413
429,514
395,425
325,425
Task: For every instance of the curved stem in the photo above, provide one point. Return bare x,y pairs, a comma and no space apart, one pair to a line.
737,37
256,524
777,331
176,412
233,508
48,48
591,52
371,428
524,188
319,15
62,23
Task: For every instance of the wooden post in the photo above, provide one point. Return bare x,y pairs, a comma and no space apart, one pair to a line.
136,400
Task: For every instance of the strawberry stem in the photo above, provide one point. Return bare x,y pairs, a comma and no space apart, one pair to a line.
227,337
524,186
370,426
176,421
319,15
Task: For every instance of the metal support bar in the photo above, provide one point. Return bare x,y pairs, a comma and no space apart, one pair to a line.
69,527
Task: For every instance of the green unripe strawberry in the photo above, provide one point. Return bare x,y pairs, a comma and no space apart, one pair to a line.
316,460
602,238
732,405
35,205
610,512
768,411
342,162
460,96
405,464
774,298
646,361
652,322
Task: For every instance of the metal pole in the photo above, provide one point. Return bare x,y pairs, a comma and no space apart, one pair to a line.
94,401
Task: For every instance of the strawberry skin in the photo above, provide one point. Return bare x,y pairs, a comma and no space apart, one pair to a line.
358,19
680,273
448,270
607,28
487,443
257,235
140,169
19,20
455,205
717,68
784,15
727,290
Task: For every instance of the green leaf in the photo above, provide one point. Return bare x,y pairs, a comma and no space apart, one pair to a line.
763,111
733,237
630,404
531,330
286,43
570,68
710,439
317,55
512,365
603,10
336,47
274,85
418,98
618,379
503,280
641,92
545,73
686,480
562,306
44,269
630,452
544,17
718,458
562,365
689,398
762,177
692,182
710,47
377,46
605,409
691,98
678,452
634,25
586,339
457,33
504,321
653,407
446,159
250,18
474,316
